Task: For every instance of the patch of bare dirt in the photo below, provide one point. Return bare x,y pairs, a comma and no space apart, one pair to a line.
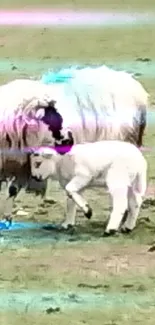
40,266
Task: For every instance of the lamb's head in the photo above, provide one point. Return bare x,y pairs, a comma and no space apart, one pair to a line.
43,163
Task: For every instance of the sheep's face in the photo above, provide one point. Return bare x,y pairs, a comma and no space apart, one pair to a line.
43,165
36,133
63,138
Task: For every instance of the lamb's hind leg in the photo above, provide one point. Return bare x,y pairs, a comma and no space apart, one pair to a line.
134,204
120,204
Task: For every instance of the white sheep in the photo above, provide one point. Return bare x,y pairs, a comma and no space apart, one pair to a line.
118,166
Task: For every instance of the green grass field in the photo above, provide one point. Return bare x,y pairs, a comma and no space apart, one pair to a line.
88,262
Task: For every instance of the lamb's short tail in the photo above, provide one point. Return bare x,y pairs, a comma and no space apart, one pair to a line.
141,179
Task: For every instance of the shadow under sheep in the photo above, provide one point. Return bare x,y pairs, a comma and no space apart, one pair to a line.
87,231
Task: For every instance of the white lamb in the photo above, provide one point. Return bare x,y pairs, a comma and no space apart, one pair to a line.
118,166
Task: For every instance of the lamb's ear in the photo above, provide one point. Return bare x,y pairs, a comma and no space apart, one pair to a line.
40,113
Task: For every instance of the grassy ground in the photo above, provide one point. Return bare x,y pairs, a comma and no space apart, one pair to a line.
118,5
86,261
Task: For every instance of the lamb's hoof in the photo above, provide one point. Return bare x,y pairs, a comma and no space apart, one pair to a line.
68,229
126,230
89,212
65,226
111,232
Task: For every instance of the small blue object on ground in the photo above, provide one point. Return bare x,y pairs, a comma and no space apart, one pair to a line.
6,225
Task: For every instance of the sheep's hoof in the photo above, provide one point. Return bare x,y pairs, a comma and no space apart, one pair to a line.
89,213
111,232
13,190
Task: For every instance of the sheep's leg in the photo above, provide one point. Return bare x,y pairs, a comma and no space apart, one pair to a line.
134,204
43,191
77,184
13,190
70,214
7,202
3,198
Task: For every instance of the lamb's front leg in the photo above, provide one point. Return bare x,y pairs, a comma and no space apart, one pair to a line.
76,185
134,203
47,196
70,214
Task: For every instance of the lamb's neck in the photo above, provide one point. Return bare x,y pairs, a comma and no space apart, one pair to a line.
65,166
58,161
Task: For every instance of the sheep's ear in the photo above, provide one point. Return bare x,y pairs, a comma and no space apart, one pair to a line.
40,113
